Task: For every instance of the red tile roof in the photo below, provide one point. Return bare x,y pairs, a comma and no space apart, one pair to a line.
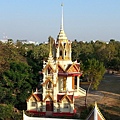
37,97
61,97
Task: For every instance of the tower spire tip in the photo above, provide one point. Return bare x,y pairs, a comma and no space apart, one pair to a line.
62,17
61,4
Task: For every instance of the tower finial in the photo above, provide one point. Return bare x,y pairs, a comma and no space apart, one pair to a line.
62,17
50,54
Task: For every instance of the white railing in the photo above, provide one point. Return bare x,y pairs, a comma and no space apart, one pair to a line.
82,90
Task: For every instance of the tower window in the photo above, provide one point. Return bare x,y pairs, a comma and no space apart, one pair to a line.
60,52
33,104
49,85
64,45
49,70
65,53
75,80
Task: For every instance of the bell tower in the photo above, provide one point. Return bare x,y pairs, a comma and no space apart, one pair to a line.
63,45
60,80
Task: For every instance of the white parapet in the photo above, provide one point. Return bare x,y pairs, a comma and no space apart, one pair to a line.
25,117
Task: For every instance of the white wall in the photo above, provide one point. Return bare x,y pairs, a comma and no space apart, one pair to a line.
60,79
69,83
29,107
25,117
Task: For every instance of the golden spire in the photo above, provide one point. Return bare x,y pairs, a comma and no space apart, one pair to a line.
62,18
50,54
62,35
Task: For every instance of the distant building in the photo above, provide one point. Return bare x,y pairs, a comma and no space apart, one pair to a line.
45,42
27,42
4,41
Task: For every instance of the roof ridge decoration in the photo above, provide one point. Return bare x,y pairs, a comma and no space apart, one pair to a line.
66,96
59,65
48,96
99,111
37,98
47,67
72,65
97,115
34,96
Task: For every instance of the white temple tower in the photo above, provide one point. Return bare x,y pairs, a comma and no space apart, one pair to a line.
60,81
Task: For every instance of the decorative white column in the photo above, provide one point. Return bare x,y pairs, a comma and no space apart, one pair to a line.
71,108
61,107
44,107
57,53
55,107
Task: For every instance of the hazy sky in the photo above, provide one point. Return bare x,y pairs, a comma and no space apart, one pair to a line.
38,19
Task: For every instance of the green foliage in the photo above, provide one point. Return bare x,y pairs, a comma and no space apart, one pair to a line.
86,112
20,65
95,57
8,53
7,113
104,52
19,75
51,40
94,71
35,57
18,82
114,64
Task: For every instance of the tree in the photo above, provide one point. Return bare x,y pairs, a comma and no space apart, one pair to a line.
94,71
75,50
18,82
10,41
114,64
51,40
35,57
7,113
